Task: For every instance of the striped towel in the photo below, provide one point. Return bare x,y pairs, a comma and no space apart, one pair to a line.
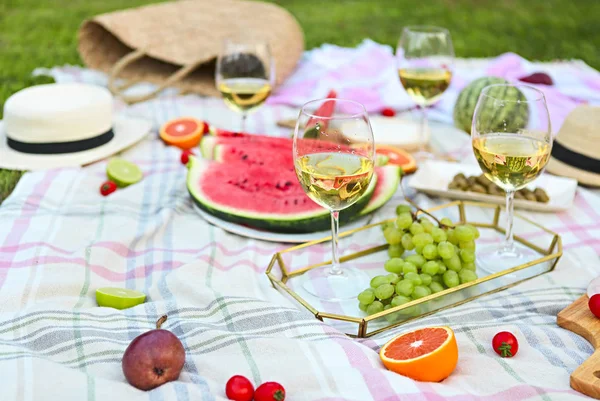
60,240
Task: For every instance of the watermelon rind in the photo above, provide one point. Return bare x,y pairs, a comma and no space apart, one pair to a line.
388,177
318,220
207,147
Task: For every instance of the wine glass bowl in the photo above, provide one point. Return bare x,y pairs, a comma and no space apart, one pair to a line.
512,140
245,75
333,156
424,58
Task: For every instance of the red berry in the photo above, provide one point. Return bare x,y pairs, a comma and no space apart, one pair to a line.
594,304
537,78
238,388
505,344
185,156
108,188
206,128
388,112
270,391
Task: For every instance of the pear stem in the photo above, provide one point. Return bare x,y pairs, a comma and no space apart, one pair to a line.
160,321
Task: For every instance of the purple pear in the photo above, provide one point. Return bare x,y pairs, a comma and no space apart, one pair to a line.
153,358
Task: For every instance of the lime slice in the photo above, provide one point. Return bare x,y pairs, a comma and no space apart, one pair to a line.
122,172
119,298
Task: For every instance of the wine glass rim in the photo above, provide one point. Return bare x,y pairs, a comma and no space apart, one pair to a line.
362,113
539,94
426,29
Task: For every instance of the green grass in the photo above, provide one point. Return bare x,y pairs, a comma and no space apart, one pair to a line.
42,33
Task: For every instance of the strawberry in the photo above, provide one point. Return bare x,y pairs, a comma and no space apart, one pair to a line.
108,188
388,112
185,156
206,128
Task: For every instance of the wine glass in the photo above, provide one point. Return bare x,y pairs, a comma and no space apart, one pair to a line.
512,140
334,159
244,75
424,58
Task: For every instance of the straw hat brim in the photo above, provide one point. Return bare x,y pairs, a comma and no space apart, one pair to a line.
557,167
127,132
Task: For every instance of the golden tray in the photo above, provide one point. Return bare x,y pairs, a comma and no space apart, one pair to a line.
364,249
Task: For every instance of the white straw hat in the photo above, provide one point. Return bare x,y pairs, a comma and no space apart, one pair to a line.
63,125
576,148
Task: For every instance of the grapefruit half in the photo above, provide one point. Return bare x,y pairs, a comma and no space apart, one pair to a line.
185,132
427,354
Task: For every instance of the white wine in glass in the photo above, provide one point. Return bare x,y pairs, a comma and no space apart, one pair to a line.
512,141
425,57
334,161
245,75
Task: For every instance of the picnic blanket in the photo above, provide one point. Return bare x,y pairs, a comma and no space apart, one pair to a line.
60,240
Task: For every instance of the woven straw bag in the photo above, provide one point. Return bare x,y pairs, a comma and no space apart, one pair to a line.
176,43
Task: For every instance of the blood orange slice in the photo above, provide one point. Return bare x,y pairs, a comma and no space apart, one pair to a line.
427,354
399,157
185,132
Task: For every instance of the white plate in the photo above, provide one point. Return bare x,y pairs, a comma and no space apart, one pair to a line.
403,131
433,178
274,237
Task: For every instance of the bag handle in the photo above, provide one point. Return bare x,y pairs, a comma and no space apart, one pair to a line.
133,57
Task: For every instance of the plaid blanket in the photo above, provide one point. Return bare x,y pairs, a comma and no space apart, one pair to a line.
60,241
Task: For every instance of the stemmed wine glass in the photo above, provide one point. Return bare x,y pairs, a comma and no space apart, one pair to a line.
334,161
512,140
244,75
425,57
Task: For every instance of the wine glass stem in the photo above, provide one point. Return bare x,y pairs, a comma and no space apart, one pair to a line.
422,128
244,117
335,257
509,241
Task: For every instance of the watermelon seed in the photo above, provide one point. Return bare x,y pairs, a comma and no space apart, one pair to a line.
244,157
288,183
295,201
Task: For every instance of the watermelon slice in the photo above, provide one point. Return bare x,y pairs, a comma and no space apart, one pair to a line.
326,110
216,147
261,196
388,179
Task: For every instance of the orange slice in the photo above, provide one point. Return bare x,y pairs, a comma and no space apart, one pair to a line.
185,132
398,156
428,354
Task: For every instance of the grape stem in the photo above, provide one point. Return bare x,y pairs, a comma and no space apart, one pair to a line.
413,204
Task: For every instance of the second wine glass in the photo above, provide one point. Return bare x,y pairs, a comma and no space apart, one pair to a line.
245,75
512,141
334,161
425,58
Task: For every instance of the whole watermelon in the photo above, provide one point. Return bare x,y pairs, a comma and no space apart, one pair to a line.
467,100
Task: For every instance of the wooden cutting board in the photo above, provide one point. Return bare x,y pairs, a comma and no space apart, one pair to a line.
578,319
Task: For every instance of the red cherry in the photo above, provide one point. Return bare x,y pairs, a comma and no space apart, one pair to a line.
269,391
505,344
239,388
388,112
594,304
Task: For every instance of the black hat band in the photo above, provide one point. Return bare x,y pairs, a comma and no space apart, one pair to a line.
50,148
574,159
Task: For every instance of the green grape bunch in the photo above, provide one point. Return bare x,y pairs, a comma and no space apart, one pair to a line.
425,258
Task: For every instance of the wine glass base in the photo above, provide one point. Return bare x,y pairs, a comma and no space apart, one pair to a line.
494,259
325,286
